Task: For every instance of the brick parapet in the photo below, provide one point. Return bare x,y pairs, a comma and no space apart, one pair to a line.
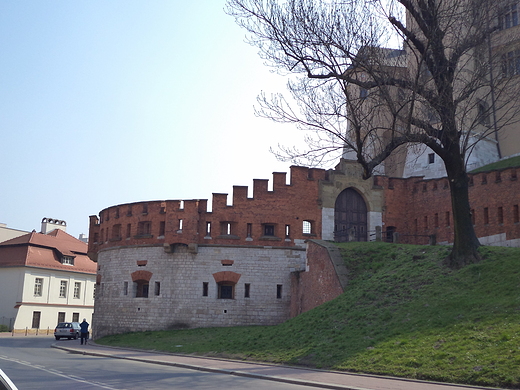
419,208
243,223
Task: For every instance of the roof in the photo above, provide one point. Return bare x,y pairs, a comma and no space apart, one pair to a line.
45,251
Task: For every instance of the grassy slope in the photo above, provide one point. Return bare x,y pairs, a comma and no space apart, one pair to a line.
404,314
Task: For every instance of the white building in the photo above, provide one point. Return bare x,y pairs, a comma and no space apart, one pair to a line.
45,279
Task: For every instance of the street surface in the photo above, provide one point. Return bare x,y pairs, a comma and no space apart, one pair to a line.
31,363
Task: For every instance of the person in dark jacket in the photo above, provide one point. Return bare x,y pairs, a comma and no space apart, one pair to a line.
84,331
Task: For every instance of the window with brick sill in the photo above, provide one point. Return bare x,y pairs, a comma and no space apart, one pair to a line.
269,232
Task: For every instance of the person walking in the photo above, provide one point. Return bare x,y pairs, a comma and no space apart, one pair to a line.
84,331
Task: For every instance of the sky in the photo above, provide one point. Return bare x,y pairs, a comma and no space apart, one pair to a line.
110,102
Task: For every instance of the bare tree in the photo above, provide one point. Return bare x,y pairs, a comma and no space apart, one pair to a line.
446,87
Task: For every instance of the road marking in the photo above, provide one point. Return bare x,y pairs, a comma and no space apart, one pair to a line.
59,373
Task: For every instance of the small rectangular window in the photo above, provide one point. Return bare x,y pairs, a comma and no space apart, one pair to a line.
436,220
208,229
75,317
205,289
486,216
61,316
157,290
431,158
472,212
307,227
247,288
77,289
287,231
125,288
500,215
180,224
448,218
162,228
249,230
128,230
38,287
268,230
279,291
516,215
63,289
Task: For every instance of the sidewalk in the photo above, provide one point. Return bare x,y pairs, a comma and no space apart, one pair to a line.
309,377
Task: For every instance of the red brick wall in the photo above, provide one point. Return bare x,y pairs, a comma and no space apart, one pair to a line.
286,204
418,208
318,285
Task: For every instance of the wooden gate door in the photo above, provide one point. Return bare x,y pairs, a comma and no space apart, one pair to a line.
350,217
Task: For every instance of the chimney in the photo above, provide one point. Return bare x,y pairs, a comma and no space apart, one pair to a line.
50,224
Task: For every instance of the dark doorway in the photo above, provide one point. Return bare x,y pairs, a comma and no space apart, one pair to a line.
350,217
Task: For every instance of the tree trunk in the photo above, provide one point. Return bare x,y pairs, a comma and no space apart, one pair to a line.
465,243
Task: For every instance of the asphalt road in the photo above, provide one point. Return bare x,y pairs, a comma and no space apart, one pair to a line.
31,363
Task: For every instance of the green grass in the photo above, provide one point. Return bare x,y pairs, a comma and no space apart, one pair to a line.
403,314
507,163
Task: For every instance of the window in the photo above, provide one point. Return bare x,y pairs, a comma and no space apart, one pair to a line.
63,289
125,288
448,218
145,208
516,216
36,319
268,230
61,316
247,288
117,216
69,260
144,228
75,317
77,289
162,228
508,17
204,289
425,222
278,291
431,158
157,290
141,288
226,290
249,230
307,227
486,216
129,211
500,215
180,224
208,229
225,228
483,113
436,220
511,63
128,230
38,287
287,231
116,232
472,213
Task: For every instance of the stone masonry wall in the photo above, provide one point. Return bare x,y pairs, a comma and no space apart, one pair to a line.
180,302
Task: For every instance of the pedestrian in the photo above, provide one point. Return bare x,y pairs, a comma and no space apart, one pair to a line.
84,331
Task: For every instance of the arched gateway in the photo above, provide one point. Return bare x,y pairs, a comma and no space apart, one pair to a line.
350,217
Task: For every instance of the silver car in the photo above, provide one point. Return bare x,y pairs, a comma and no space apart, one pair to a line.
70,330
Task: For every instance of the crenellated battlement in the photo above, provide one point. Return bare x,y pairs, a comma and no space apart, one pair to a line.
269,217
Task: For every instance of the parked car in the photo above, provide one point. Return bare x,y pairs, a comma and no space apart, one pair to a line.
70,330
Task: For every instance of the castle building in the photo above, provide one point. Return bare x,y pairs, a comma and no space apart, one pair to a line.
45,278
173,264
